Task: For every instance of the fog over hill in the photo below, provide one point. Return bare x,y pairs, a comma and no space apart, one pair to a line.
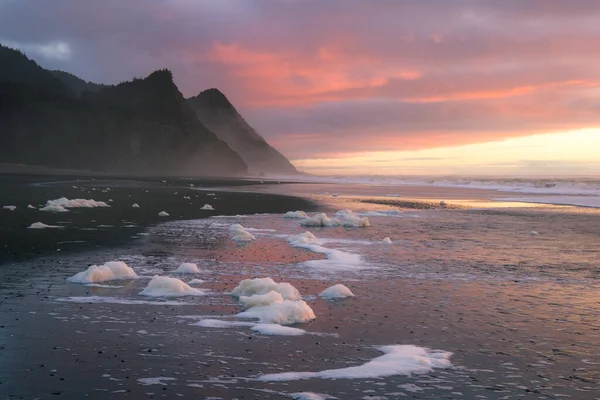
55,119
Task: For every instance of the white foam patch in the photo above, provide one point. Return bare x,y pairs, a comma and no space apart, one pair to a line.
41,225
207,207
160,380
310,396
240,234
219,323
10,208
135,205
110,271
295,215
338,291
164,286
250,287
397,360
65,203
303,239
287,312
351,220
336,259
30,207
115,300
54,208
387,240
196,282
275,329
258,300
320,220
187,268
163,214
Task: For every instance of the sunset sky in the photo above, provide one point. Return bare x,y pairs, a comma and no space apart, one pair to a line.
506,87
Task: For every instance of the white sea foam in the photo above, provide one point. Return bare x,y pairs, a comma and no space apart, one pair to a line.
275,329
336,259
351,220
10,208
250,287
261,299
30,207
41,225
187,268
196,282
338,291
54,208
219,323
207,207
164,286
397,360
287,312
110,271
135,205
163,214
387,240
295,214
320,220
240,234
304,239
74,203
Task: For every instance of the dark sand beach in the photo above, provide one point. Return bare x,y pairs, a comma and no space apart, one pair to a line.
518,311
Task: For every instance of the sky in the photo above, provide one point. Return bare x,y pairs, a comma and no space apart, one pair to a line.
507,87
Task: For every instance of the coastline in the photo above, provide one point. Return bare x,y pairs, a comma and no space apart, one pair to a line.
84,229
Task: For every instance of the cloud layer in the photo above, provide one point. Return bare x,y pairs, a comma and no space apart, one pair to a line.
323,79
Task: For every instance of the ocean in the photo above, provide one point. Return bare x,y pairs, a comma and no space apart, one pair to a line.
462,288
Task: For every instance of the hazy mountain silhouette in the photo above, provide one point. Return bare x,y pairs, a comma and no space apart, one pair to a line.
215,111
56,119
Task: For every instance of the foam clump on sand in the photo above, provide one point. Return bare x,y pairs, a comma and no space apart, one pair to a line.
135,205
164,286
10,208
275,329
251,287
110,271
346,218
54,208
187,268
336,259
351,220
258,300
30,207
240,234
196,281
295,214
303,239
320,220
64,203
163,214
285,313
387,240
533,233
397,360
338,291
41,225
207,207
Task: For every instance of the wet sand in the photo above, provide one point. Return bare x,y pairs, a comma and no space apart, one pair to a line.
519,312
